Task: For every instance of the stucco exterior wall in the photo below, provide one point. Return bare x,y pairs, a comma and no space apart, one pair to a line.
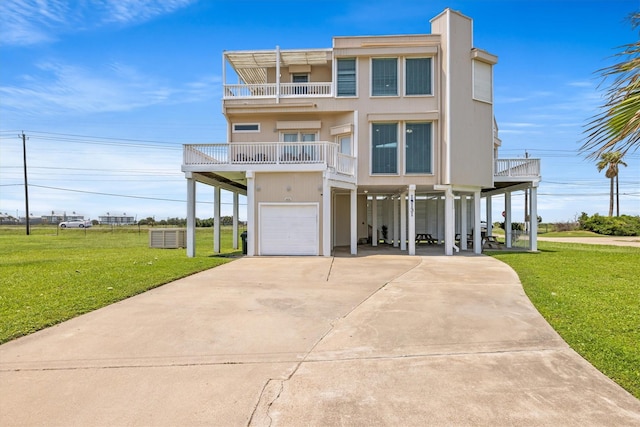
342,212
467,134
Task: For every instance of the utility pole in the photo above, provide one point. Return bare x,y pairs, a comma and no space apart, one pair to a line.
26,186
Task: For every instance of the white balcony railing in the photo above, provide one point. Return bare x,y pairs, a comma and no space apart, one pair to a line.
517,168
270,90
270,153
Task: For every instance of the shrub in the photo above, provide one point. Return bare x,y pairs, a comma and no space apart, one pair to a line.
623,225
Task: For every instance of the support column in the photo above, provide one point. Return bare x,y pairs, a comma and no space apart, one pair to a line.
374,220
489,217
191,217
396,225
388,218
412,219
251,224
235,220
477,230
403,221
449,222
216,220
533,216
463,222
326,218
507,219
354,221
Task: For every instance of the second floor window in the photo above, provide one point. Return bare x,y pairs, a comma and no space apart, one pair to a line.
418,148
384,148
418,76
384,77
346,77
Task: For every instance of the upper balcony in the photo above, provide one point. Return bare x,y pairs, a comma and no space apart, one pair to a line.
273,90
277,74
514,170
271,156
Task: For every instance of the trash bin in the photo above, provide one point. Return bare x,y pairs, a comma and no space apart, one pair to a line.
243,236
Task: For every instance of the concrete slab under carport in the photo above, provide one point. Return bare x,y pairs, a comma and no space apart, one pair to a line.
366,340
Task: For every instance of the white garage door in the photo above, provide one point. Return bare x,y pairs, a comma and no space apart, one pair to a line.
290,229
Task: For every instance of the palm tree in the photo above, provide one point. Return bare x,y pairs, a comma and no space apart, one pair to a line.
611,161
617,126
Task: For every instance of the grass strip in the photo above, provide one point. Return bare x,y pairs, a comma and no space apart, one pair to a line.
590,294
54,275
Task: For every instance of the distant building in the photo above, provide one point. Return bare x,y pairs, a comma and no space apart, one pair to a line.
7,219
116,219
58,217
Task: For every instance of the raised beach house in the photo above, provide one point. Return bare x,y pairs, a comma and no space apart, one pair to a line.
376,140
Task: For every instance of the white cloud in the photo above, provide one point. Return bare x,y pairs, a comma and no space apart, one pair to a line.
27,22
127,11
521,125
60,88
581,83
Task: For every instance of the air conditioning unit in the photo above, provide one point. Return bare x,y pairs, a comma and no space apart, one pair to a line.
167,238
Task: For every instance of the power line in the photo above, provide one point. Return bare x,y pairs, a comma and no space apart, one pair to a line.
121,195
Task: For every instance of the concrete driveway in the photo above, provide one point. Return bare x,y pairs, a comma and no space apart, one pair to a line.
370,340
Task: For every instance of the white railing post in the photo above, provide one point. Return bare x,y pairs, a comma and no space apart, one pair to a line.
277,74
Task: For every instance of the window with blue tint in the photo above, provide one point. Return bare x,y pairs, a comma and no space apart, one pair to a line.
346,74
418,148
418,76
384,148
384,77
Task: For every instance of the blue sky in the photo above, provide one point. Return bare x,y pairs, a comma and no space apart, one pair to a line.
107,91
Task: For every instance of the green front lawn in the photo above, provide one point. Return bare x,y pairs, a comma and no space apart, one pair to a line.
590,294
54,275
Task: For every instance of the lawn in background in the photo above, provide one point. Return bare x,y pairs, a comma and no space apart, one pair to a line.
55,274
590,294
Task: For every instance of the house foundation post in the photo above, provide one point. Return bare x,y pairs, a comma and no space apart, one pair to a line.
411,200
463,222
489,217
396,218
235,220
388,219
403,221
449,222
533,212
216,220
507,219
354,221
374,220
191,217
477,230
326,218
251,225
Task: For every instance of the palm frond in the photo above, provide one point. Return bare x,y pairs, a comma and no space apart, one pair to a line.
617,126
